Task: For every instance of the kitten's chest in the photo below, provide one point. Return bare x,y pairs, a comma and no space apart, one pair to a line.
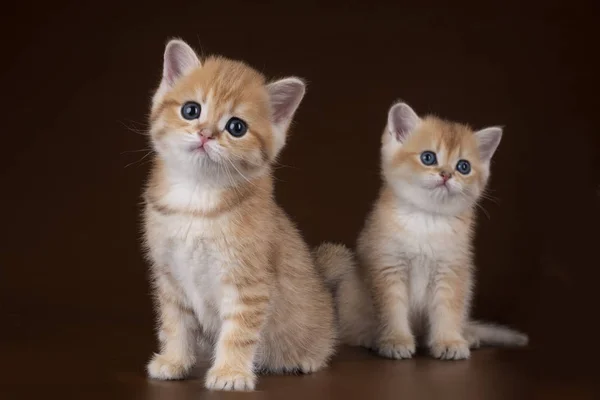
196,263
195,253
424,244
425,238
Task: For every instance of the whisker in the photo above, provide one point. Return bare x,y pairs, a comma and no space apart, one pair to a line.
278,165
239,172
140,160
141,132
464,193
136,151
484,210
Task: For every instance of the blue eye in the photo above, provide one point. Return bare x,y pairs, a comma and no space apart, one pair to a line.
236,127
428,158
190,110
463,166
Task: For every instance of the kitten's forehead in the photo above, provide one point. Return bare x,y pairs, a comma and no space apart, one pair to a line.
221,81
450,137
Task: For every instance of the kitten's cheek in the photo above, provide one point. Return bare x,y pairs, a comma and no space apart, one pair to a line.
454,188
162,147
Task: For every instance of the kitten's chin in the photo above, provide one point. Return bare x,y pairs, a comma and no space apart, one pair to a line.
437,200
209,167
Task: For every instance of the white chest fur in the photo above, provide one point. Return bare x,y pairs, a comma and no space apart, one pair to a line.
191,248
426,243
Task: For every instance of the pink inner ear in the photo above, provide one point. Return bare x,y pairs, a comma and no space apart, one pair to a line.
488,140
285,96
402,120
179,59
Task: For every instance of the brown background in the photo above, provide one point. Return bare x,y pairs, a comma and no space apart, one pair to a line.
76,317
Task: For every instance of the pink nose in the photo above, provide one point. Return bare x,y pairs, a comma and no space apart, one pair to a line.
205,132
205,135
445,175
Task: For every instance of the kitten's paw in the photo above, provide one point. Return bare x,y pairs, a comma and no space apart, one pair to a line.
308,367
397,349
451,350
162,367
224,378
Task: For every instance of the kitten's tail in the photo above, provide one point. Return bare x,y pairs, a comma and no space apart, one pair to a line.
486,334
339,269
334,262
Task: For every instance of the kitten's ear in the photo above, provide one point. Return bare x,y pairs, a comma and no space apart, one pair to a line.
179,59
402,120
285,96
488,140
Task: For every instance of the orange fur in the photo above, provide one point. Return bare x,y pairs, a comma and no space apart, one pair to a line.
414,276
228,264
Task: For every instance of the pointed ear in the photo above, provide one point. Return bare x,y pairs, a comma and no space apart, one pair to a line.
488,140
285,96
402,120
179,59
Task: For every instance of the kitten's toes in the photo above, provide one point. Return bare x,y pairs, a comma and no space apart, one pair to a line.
397,349
223,378
164,368
451,350
308,367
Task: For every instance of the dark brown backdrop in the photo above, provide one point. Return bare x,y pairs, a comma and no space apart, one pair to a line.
76,315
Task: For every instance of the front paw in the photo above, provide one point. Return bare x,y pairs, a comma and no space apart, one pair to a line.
224,378
163,368
399,348
451,350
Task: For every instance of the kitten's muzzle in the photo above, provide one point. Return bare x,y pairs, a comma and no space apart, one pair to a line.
205,134
445,176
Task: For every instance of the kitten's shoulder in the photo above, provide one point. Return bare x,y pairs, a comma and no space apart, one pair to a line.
380,221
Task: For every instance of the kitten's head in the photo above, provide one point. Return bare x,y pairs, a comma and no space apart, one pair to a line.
218,119
436,165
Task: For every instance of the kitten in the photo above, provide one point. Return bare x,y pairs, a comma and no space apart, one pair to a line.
228,265
414,276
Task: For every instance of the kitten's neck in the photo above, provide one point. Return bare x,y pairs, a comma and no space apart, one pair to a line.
405,206
190,193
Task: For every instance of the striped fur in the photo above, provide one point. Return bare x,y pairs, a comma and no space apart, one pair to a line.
413,278
228,265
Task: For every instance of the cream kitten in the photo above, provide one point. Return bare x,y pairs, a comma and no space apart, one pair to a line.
415,264
228,265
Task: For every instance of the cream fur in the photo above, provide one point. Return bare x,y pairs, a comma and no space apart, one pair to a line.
228,265
413,281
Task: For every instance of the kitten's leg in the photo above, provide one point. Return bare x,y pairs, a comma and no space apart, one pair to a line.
177,334
447,313
244,311
390,297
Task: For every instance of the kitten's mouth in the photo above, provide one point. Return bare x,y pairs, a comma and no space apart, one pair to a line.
202,150
442,189
198,148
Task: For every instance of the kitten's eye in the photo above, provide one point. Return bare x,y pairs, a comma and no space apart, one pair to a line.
190,110
428,158
463,166
236,127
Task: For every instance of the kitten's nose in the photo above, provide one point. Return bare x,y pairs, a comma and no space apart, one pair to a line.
445,175
205,135
205,132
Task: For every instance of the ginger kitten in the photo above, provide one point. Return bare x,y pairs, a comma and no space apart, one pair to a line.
414,277
229,267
